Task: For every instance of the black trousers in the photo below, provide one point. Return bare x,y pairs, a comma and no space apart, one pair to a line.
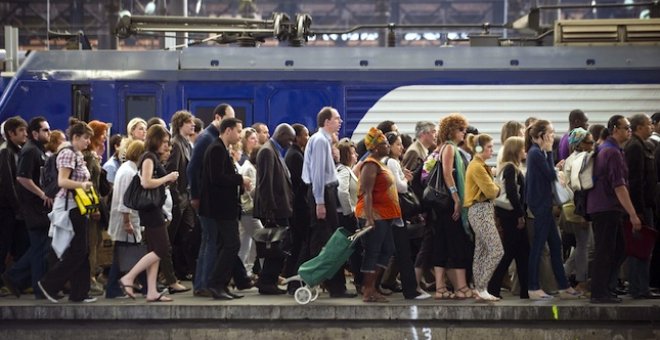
609,251
355,261
299,234
228,244
74,264
516,247
14,238
321,230
272,265
403,259
180,233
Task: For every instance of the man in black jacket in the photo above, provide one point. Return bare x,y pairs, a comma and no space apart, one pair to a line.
300,219
13,236
183,215
220,189
642,179
35,206
273,199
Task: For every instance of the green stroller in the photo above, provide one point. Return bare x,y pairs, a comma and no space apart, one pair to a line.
332,257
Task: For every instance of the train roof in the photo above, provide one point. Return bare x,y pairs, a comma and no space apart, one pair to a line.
347,58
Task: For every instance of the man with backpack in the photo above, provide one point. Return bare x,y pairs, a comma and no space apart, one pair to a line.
35,206
13,237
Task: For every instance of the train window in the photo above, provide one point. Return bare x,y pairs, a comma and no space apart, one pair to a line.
81,102
142,106
205,113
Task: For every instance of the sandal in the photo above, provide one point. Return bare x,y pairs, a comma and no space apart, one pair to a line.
443,294
465,293
124,287
374,298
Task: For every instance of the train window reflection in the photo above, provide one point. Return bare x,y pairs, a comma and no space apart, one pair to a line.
143,106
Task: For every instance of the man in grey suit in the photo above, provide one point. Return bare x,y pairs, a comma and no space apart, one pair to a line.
273,199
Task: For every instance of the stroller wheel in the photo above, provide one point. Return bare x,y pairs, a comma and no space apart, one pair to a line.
303,295
315,294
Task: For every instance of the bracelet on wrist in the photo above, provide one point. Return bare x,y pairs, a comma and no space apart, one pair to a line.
453,189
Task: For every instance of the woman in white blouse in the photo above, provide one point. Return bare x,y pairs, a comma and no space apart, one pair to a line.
124,223
347,195
248,251
403,262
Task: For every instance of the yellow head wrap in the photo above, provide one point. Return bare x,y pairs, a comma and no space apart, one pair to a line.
373,138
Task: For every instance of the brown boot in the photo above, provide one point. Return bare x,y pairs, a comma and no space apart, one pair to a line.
369,292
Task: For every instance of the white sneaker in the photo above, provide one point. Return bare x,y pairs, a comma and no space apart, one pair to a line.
484,295
45,293
89,299
422,295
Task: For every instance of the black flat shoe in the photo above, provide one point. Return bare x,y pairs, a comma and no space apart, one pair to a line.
219,294
234,295
649,296
605,300
271,290
343,295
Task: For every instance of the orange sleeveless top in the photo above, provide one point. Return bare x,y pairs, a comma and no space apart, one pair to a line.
385,197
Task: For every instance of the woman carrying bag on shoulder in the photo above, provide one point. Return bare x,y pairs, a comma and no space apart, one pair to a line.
68,225
539,181
152,176
512,221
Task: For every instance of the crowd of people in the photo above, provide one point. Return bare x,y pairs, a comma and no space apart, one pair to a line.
446,218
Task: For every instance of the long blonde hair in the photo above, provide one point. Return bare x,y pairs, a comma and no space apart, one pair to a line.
511,152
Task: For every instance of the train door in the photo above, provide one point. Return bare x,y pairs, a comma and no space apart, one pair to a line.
203,109
143,100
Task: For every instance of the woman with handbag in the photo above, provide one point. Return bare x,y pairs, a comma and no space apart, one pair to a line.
377,206
480,191
402,262
539,181
512,217
581,142
452,248
153,176
124,227
70,226
347,195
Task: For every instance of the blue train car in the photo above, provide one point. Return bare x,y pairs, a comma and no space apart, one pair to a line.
490,85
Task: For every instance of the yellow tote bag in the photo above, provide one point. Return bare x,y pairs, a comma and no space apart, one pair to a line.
86,200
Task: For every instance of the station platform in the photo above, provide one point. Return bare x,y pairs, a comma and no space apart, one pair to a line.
280,317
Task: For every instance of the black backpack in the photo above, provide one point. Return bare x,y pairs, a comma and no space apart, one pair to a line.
48,176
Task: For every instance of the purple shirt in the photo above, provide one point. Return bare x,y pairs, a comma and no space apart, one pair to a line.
564,151
610,172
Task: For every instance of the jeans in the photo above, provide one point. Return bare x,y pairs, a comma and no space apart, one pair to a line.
33,264
378,246
248,251
545,230
207,252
